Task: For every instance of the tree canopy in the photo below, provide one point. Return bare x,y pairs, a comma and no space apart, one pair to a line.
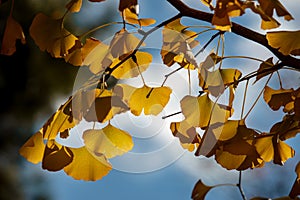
211,126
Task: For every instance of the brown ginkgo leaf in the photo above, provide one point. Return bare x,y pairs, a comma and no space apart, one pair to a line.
277,98
50,35
74,5
200,190
13,31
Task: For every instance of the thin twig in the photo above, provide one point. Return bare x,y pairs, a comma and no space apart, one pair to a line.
239,185
164,117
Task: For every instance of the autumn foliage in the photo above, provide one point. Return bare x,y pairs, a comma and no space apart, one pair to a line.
233,144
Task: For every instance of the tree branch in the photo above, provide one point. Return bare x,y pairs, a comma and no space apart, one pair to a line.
237,29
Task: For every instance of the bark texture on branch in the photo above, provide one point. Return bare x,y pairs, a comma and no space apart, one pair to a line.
237,29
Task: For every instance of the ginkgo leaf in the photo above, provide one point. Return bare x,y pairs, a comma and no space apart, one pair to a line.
132,67
200,190
87,165
201,111
123,43
224,10
289,127
80,54
105,106
74,5
132,18
277,98
287,42
177,45
50,35
151,99
211,60
271,148
33,149
109,141
124,91
268,6
13,31
238,151
268,64
186,133
93,55
56,156
61,120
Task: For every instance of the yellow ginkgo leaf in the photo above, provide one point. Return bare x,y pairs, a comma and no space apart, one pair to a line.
87,165
13,31
151,99
109,141
61,120
271,148
56,156
50,35
287,42
289,127
132,18
33,149
200,190
201,111
93,55
133,66
74,5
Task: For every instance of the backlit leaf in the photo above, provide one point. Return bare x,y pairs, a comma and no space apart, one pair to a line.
224,10
295,191
74,5
201,111
56,156
61,120
177,45
297,170
123,43
109,141
87,165
187,134
13,31
146,98
268,64
269,6
105,106
289,127
130,68
132,18
287,42
277,98
50,35
271,148
210,61
238,152
200,190
33,149
123,4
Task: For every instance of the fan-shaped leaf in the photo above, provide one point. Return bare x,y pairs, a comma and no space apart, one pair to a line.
109,141
277,98
61,120
147,98
74,5
269,6
287,42
50,35
33,149
87,165
200,191
56,156
13,31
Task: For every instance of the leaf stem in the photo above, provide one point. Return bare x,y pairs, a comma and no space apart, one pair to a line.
244,99
239,185
256,100
97,28
167,75
170,115
207,43
11,8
